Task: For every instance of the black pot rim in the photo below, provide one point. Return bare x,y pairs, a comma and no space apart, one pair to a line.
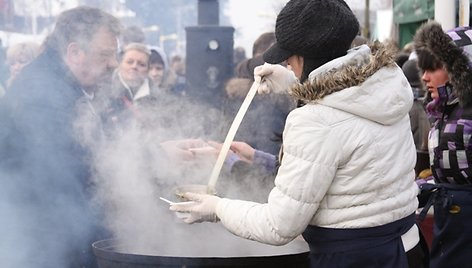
103,250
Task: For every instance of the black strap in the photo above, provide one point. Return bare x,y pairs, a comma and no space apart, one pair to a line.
431,190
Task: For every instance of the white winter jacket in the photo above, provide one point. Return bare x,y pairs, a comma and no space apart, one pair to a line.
348,154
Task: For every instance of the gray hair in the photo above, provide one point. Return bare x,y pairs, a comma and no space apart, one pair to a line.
137,47
79,25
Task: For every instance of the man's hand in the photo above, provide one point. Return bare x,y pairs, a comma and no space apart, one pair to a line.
181,149
240,149
243,150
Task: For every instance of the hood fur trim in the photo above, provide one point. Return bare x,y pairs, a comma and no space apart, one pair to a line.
349,75
431,37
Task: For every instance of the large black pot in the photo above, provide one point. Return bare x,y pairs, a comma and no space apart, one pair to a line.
219,249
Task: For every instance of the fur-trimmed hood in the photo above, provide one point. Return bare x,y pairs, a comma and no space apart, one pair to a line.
366,82
432,38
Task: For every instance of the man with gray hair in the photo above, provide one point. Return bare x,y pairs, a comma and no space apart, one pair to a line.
47,218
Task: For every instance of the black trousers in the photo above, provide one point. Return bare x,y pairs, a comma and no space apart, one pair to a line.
373,247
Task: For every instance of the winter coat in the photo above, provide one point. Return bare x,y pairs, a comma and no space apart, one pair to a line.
119,105
449,137
43,171
348,154
420,125
449,147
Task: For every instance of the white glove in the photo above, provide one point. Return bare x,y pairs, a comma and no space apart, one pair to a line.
203,207
274,78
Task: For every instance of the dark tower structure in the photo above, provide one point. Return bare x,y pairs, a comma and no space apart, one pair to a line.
209,55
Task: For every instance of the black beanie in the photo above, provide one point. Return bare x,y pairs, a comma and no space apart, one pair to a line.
412,72
313,29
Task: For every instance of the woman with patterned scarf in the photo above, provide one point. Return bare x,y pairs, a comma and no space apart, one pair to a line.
445,64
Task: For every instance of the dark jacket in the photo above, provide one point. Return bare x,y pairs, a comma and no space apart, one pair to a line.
264,122
118,106
420,125
43,170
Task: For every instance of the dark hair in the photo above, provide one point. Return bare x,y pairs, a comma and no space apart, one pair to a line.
79,25
428,61
262,43
359,40
155,58
133,34
401,58
310,64
176,58
239,54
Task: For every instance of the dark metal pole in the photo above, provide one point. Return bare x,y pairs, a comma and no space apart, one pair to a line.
366,32
208,12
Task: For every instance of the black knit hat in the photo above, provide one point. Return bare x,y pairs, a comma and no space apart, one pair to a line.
412,72
313,29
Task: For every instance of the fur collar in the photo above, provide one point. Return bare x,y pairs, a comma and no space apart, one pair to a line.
351,71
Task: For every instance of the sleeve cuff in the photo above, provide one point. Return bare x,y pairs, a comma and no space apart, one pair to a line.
230,161
265,160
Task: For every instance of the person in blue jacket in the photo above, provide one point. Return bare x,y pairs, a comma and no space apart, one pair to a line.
47,217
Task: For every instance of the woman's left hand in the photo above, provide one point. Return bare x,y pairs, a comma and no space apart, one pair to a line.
203,207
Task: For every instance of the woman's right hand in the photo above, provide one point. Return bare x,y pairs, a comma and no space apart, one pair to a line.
274,78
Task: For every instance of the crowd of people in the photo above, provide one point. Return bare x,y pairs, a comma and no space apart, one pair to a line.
335,138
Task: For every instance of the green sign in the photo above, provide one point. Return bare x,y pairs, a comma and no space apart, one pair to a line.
407,11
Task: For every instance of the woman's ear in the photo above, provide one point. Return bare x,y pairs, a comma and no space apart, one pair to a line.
301,60
295,63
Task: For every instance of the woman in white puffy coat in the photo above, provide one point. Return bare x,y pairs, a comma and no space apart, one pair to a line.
346,179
